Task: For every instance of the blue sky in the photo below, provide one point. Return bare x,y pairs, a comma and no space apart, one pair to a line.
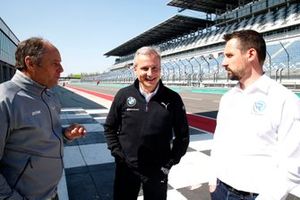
83,30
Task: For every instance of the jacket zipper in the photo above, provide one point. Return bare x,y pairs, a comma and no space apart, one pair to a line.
23,170
51,121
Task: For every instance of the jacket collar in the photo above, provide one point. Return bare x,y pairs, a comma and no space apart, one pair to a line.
27,84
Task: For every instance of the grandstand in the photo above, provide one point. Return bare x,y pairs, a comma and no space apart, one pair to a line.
192,47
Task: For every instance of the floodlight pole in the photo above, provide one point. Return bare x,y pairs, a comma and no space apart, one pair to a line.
179,78
270,63
218,64
203,58
199,72
288,59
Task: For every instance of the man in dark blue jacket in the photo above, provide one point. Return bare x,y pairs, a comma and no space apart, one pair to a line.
146,131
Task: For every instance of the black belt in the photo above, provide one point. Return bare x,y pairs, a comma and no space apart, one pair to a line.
239,192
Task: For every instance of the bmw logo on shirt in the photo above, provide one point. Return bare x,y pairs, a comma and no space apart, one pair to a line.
131,101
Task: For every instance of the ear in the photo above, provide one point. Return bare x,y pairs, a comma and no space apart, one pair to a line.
134,69
252,54
29,63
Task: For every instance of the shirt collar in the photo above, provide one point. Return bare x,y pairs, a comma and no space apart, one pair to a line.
261,84
148,96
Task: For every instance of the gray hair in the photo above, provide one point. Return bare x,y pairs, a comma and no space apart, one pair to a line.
146,50
33,47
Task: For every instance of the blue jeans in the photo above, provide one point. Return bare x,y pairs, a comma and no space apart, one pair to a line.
223,192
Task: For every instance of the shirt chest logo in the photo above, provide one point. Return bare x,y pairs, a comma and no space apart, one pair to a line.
165,105
131,101
259,107
36,112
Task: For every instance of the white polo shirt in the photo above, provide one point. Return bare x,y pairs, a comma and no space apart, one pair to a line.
257,139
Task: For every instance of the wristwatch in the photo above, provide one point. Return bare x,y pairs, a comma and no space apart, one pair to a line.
165,170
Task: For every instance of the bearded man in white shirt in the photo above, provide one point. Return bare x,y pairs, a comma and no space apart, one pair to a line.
256,150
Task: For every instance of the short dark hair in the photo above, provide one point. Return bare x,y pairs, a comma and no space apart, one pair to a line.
249,39
33,47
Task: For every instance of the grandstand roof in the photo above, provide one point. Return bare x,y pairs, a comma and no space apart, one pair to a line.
175,26
207,6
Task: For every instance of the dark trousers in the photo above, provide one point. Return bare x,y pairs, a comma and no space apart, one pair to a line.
226,192
55,197
128,182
